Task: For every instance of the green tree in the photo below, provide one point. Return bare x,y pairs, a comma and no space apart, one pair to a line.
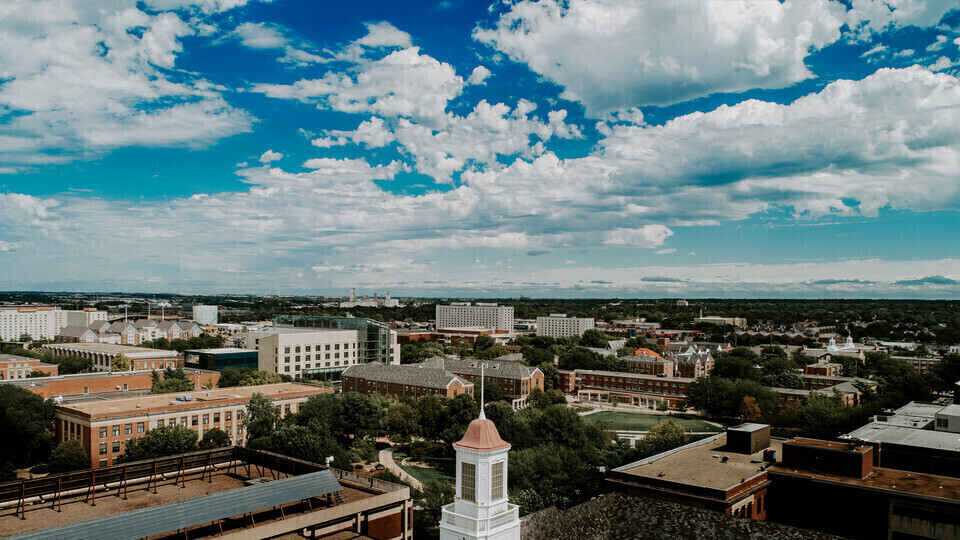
784,379
482,343
492,392
120,362
551,375
594,338
36,374
161,441
409,354
580,358
262,416
535,357
664,436
69,456
25,421
430,502
215,438
172,380
801,358
402,422
738,363
359,416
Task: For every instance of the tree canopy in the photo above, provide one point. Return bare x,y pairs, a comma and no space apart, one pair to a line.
167,440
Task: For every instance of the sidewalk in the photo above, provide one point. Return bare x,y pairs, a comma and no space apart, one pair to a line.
386,458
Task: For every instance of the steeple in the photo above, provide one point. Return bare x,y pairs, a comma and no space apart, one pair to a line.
480,509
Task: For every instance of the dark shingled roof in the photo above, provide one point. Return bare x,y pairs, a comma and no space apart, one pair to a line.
471,366
412,374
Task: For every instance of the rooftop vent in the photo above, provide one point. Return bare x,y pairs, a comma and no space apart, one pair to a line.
725,459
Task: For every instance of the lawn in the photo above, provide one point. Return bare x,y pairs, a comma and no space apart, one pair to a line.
625,421
424,474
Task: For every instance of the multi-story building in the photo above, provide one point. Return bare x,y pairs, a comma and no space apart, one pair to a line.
648,391
648,362
378,342
85,316
41,322
102,355
217,359
481,314
829,369
723,321
104,427
205,315
694,362
403,381
103,384
515,379
558,325
19,367
298,351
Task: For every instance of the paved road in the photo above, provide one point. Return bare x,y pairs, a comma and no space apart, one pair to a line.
386,457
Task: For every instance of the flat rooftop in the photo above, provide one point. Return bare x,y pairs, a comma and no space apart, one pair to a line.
110,348
919,409
44,381
884,432
5,358
222,350
701,464
310,330
200,398
894,480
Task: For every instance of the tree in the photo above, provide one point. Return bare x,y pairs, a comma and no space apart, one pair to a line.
25,421
483,342
749,410
580,358
69,456
359,416
535,357
173,380
551,375
262,416
801,358
594,338
665,436
492,392
409,354
37,373
784,379
738,363
402,422
215,438
161,441
430,502
120,362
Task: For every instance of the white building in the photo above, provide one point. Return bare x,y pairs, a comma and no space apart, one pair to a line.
558,324
482,315
85,317
205,315
290,351
41,322
480,509
366,301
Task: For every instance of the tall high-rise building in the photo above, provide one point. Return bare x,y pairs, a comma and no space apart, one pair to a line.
483,315
558,324
42,322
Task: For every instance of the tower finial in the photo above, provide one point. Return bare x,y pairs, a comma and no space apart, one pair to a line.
483,416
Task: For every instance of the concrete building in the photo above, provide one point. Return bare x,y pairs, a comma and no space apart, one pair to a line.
296,351
515,379
480,508
80,386
104,427
378,341
14,367
41,322
102,355
365,301
558,324
481,314
739,322
205,315
404,381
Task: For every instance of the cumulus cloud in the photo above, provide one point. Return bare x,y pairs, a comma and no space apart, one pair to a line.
868,17
263,36
615,54
646,236
479,75
269,156
84,80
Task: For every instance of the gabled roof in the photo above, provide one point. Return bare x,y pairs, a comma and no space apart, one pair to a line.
409,374
76,331
471,366
145,323
120,327
99,326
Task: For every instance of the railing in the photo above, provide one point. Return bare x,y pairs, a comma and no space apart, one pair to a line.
468,523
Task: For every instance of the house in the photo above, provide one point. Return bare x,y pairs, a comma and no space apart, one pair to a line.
694,362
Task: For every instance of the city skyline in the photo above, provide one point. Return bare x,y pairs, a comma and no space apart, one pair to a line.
473,149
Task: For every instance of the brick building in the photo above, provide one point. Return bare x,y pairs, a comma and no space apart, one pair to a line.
81,384
515,379
404,381
693,362
103,427
102,355
14,367
827,369
647,362
648,391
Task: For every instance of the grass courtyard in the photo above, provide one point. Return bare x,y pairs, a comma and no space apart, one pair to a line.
424,474
627,421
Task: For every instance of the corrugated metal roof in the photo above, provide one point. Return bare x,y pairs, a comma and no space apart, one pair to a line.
907,436
197,511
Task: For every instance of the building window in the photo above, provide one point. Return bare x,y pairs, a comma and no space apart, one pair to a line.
116,431
296,349
160,423
116,446
103,449
139,427
286,409
216,418
227,415
206,419
496,485
103,463
183,421
326,347
306,348
103,432
86,389
194,420
468,482
286,350
128,429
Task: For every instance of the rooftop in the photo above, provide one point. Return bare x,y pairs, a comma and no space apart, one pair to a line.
471,366
701,464
311,330
200,398
916,408
110,348
5,358
45,381
907,436
928,485
412,374
221,350
482,435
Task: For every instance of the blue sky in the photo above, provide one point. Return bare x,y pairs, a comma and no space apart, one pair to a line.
464,148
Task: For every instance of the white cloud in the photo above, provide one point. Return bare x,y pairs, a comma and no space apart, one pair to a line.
646,236
874,16
269,156
665,251
260,36
84,81
616,54
479,75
